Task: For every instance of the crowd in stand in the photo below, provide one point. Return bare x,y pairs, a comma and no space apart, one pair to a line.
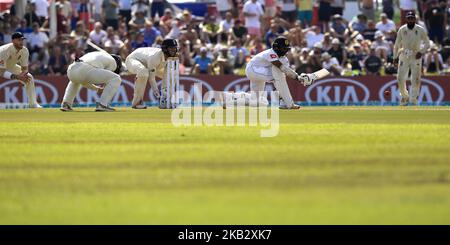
222,43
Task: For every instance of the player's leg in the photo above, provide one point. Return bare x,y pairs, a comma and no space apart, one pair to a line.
416,65
29,87
69,96
258,77
402,73
112,82
142,74
282,87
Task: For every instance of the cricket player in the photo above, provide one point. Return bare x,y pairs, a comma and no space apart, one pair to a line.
147,63
14,65
411,44
90,69
272,66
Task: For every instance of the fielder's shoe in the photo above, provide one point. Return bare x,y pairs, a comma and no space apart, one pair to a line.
293,107
35,106
404,101
139,106
414,102
66,107
101,107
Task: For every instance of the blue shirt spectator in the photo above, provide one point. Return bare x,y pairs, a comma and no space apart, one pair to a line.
150,33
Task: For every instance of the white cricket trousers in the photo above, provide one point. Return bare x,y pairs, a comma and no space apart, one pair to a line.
29,87
80,72
407,62
143,75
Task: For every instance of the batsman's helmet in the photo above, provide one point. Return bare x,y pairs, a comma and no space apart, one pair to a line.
118,63
170,47
281,46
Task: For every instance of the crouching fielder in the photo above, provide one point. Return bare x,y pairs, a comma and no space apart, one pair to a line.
408,52
147,63
14,65
272,66
90,69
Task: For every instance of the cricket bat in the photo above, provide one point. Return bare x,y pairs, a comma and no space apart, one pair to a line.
321,73
88,42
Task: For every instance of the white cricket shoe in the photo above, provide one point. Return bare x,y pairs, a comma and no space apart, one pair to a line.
35,106
404,101
66,107
101,107
141,106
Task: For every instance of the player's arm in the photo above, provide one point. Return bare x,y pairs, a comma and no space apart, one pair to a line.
285,69
426,41
397,46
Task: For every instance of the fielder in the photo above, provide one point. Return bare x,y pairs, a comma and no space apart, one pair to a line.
14,65
411,43
90,69
147,63
272,66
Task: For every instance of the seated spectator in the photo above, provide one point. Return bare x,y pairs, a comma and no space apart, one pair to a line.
139,42
24,29
112,42
38,63
383,48
61,20
315,56
225,62
37,41
326,42
272,34
138,21
239,31
80,35
359,24
150,33
257,47
369,32
387,27
302,62
30,16
98,34
240,54
373,63
174,30
296,35
5,34
210,30
57,64
313,36
331,64
338,52
202,63
356,58
338,28
433,61
225,27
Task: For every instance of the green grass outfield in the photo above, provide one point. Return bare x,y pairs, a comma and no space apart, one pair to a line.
329,165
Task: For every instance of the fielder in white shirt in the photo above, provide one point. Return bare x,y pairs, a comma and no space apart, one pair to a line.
272,66
90,69
147,63
14,65
411,43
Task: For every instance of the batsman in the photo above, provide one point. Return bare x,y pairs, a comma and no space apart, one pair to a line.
411,44
147,63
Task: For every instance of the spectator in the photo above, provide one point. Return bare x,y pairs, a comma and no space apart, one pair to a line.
324,13
289,11
140,5
165,22
356,58
66,9
360,24
326,42
225,27
313,36
270,8
57,64
253,12
41,10
296,35
239,31
83,10
331,64
37,40
30,16
125,9
405,6
98,34
304,11
157,8
202,63
62,22
210,30
338,27
110,10
388,8
80,35
314,59
337,7
434,62
96,6
272,34
369,32
387,27
174,30
302,62
338,52
112,42
373,63
138,21
139,42
367,8
224,62
382,47
223,7
150,33
24,29
435,22
6,34
240,54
